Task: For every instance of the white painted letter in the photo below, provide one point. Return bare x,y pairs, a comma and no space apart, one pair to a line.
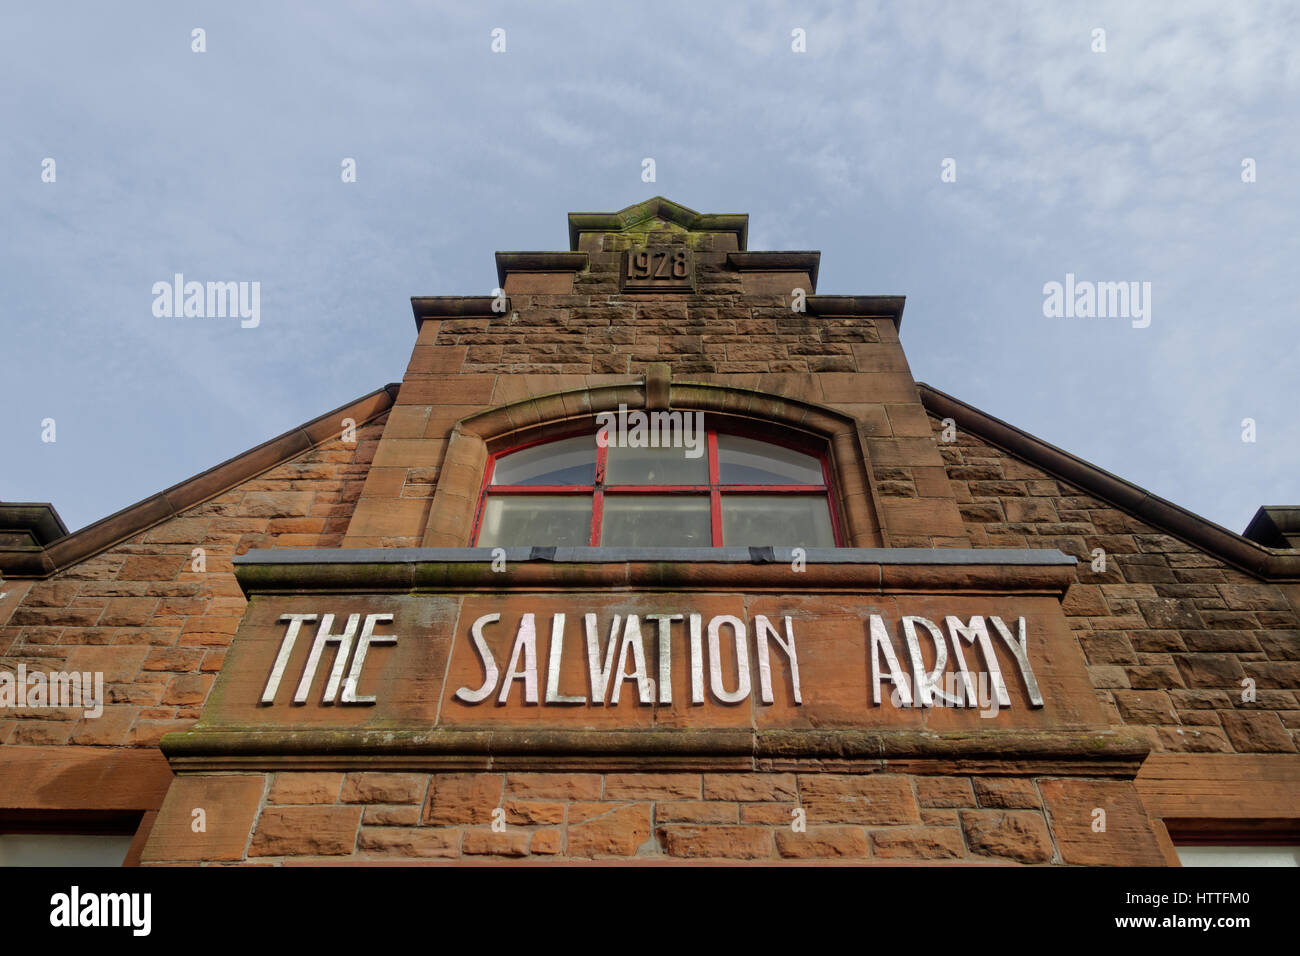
490,671
715,659
764,632
525,642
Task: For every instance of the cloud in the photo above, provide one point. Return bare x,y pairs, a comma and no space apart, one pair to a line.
1117,166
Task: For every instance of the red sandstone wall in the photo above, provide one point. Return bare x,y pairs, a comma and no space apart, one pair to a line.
1169,632
336,817
157,629
720,330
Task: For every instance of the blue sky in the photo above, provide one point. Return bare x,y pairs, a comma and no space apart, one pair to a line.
1123,165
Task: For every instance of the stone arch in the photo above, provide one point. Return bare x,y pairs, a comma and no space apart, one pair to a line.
455,500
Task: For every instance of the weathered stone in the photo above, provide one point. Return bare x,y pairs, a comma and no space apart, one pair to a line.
942,818
1194,739
380,816
1006,793
1108,647
463,798
1221,641
652,786
944,792
533,813
487,842
618,831
720,842
878,800
187,689
822,842
1251,597
1256,732
1145,706
274,504
695,811
177,659
1168,613
309,787
306,831
546,843
416,842
781,814
384,788
173,837
554,786
1013,834
750,787
918,843
1210,671
1100,822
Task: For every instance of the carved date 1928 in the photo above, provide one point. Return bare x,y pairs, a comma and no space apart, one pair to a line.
657,269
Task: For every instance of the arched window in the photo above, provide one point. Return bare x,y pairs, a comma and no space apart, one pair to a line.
725,490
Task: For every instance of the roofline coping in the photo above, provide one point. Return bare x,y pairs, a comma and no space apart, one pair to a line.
455,307
801,260
508,262
40,518
170,502
1273,522
863,306
1231,547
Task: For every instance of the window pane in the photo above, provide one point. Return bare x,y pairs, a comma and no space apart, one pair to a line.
783,521
536,520
1238,855
657,466
744,461
63,849
647,521
569,461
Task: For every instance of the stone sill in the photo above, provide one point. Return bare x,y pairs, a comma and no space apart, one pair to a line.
1091,753
860,570
941,556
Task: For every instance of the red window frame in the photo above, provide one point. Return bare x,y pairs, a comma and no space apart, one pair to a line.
715,488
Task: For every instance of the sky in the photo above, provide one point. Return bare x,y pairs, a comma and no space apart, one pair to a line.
1160,151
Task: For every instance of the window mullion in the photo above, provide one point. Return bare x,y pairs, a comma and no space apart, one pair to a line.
715,496
598,493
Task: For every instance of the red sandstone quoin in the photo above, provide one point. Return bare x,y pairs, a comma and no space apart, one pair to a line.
281,639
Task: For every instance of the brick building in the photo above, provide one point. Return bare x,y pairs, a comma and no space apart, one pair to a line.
830,613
